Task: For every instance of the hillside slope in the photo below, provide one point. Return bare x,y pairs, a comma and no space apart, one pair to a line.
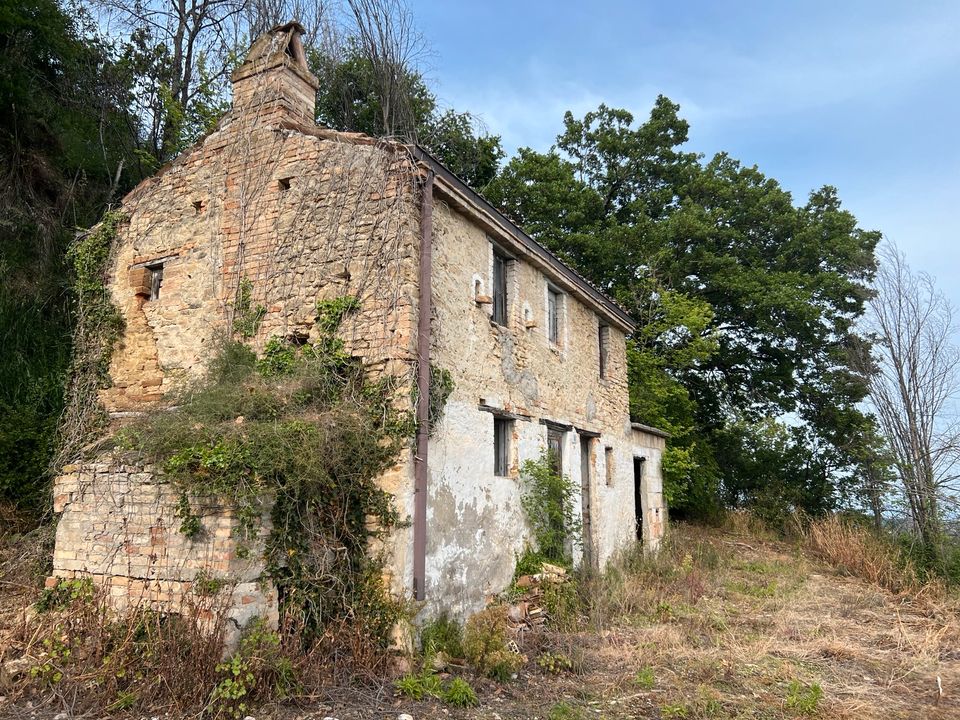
723,624
729,625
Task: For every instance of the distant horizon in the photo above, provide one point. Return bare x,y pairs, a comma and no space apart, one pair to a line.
852,96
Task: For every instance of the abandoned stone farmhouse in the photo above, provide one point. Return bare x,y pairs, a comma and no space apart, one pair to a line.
291,213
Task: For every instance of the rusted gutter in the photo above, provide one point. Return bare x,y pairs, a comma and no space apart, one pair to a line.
420,466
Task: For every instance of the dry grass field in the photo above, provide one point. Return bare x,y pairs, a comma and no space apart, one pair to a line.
725,623
730,623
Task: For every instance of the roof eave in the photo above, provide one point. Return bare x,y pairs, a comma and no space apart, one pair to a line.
650,430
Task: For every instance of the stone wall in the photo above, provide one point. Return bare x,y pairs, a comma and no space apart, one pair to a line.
476,525
298,215
119,526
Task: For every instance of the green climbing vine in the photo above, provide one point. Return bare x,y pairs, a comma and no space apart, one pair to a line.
548,502
441,387
246,315
299,435
98,326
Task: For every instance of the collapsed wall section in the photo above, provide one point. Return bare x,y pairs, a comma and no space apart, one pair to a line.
120,524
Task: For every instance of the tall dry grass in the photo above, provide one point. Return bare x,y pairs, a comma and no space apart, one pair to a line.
856,550
81,656
635,583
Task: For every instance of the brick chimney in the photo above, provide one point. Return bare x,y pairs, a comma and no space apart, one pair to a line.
274,78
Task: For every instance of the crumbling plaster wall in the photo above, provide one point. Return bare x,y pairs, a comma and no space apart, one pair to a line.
475,519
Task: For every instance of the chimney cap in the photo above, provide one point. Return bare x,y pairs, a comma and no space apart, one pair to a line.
279,46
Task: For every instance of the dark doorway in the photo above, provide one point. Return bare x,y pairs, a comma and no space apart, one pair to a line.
586,446
638,463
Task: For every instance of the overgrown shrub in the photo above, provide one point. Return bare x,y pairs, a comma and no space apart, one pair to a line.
300,435
246,315
98,325
485,645
82,649
459,693
562,603
548,502
257,669
418,686
442,635
426,684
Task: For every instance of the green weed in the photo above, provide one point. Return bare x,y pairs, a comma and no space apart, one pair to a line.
564,711
645,678
803,699
485,645
459,694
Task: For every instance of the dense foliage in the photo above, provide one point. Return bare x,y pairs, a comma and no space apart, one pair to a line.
299,435
64,143
82,119
549,505
348,100
745,300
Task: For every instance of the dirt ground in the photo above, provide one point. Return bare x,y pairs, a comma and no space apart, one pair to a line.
723,626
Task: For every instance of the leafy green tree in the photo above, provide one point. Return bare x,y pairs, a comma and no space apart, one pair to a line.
65,150
760,294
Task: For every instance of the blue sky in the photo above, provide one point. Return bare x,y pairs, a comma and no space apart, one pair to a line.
861,95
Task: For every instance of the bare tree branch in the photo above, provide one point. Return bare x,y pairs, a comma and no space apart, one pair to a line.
915,378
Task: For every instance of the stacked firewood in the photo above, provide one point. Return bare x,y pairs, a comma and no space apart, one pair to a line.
528,612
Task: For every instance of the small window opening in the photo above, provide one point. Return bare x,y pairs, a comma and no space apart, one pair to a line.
555,450
502,431
553,315
298,338
608,465
284,184
528,318
499,289
604,340
156,280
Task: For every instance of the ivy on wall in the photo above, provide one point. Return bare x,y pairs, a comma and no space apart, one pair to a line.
99,325
299,435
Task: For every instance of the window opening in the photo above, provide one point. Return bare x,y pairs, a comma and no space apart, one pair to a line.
555,450
499,289
156,280
553,315
638,467
501,446
586,457
608,465
604,340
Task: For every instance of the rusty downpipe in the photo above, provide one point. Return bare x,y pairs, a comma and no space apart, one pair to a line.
420,466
